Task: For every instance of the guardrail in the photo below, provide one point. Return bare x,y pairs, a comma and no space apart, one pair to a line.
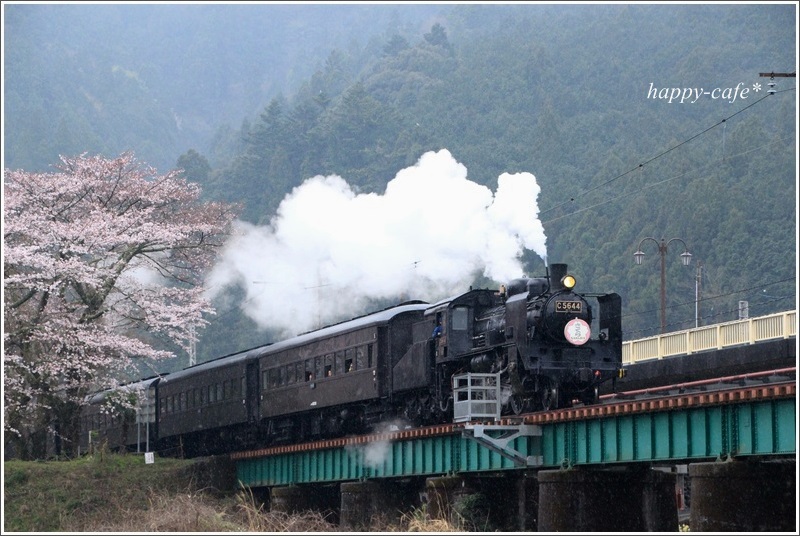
476,396
736,333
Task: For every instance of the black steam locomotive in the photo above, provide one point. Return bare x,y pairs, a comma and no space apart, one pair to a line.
547,345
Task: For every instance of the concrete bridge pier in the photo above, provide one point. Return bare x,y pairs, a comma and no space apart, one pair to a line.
607,500
288,499
528,497
743,496
447,497
485,503
300,498
363,503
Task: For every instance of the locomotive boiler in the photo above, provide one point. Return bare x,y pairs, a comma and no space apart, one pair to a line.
550,344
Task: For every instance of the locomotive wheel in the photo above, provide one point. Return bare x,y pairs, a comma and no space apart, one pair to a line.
426,408
519,404
413,411
550,395
590,396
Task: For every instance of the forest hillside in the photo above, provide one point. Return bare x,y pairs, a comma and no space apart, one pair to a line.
638,121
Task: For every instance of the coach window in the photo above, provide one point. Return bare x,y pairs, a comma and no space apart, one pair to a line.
219,392
243,389
338,362
369,355
264,380
349,361
460,317
309,370
202,400
328,365
273,377
360,358
290,373
298,371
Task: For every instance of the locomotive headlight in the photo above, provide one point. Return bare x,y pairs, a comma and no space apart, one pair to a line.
568,281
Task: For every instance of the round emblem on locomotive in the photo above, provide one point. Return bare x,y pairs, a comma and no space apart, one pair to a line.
577,331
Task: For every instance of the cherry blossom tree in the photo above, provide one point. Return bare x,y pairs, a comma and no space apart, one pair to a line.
103,265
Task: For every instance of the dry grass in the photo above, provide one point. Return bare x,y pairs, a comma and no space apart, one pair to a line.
254,518
113,493
200,513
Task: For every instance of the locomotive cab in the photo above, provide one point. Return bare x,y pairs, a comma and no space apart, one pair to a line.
460,333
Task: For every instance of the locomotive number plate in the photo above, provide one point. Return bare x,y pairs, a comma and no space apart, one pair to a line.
569,307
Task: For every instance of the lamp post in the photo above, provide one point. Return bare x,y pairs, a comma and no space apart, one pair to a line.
698,284
686,258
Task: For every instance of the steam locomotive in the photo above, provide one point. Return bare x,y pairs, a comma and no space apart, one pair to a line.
548,345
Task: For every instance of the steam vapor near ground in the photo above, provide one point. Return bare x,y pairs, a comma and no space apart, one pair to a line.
330,252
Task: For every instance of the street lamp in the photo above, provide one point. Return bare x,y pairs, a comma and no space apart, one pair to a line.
686,258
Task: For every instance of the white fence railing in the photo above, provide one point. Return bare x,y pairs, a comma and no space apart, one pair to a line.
476,396
739,332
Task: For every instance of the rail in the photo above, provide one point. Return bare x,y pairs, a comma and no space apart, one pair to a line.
715,337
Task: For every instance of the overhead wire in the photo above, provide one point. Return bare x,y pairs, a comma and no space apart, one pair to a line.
650,160
640,166
659,183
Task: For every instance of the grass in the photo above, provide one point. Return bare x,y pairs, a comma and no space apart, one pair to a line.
120,493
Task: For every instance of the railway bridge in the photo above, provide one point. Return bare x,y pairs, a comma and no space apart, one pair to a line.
704,418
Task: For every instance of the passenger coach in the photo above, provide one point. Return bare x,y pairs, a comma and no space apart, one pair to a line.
335,380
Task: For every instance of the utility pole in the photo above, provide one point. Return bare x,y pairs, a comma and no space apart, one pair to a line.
686,257
771,84
698,283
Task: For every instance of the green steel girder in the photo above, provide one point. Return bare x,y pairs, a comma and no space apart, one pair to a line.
701,433
755,428
443,454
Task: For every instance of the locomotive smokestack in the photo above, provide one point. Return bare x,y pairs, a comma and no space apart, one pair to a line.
557,272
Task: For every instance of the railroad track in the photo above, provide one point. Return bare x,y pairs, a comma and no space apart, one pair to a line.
765,385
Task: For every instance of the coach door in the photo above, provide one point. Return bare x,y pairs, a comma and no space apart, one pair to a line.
251,391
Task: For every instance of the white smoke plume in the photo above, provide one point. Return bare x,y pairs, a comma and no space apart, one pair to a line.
329,251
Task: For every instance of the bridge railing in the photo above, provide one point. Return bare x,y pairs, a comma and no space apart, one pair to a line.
717,336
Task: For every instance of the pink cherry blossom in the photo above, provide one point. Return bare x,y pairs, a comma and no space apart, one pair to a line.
103,262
